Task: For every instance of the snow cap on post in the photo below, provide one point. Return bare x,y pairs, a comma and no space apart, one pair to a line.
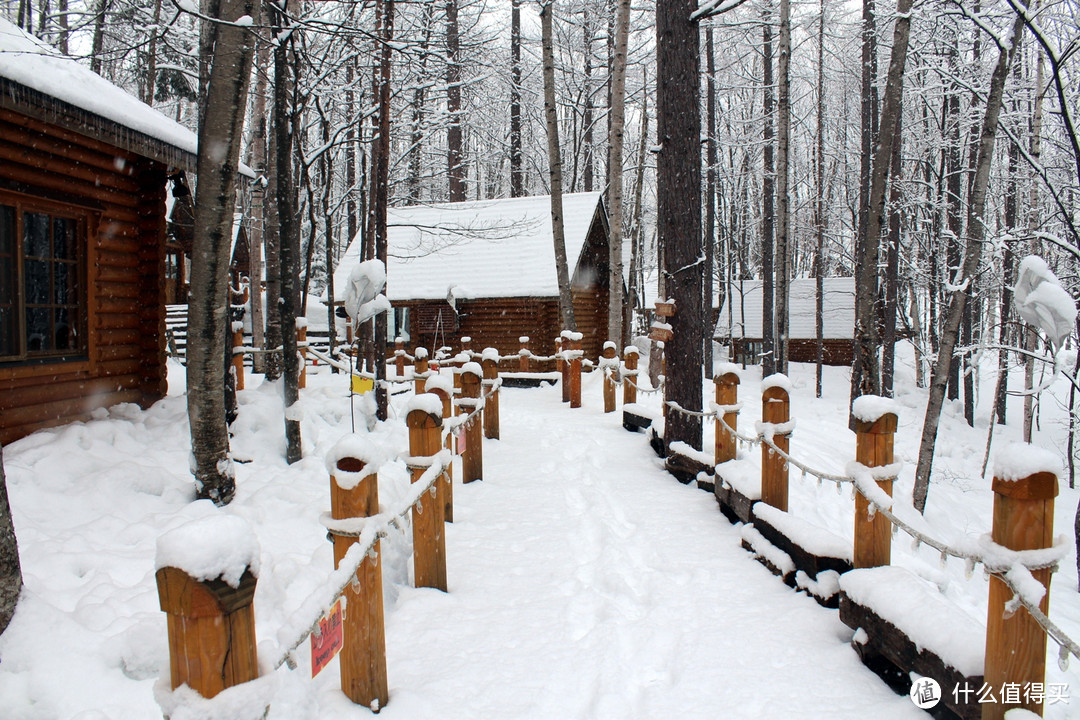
352,446
220,545
440,382
871,408
777,380
429,403
472,368
727,368
490,353
1019,460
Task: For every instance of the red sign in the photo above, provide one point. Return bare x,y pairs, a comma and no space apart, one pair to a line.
461,435
327,644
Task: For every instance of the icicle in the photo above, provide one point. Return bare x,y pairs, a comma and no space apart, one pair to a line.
969,568
839,490
785,466
803,473
894,529
853,493
1063,658
290,660
818,481
355,583
915,544
419,508
944,559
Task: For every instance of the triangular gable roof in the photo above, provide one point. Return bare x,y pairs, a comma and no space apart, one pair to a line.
839,304
35,78
484,248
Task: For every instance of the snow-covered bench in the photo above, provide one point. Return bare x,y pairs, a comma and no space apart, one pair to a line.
905,620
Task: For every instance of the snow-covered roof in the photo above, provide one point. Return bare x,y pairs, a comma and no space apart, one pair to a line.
33,64
744,300
485,248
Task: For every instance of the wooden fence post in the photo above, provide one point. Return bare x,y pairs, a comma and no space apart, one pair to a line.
445,391
575,370
490,364
354,494
630,359
610,370
562,344
775,409
1016,644
466,346
420,368
523,354
727,394
874,432
429,538
211,629
301,343
238,358
472,457
399,356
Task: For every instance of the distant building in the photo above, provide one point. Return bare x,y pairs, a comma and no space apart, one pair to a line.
83,169
739,325
486,269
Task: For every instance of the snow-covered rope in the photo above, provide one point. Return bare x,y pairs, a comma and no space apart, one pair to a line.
644,390
368,531
477,405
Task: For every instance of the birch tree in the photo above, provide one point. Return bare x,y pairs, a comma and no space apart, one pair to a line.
10,569
615,171
215,200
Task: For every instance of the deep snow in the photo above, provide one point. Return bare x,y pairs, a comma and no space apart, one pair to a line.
584,581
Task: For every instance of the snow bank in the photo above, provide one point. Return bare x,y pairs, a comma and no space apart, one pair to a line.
1018,460
813,539
219,546
247,701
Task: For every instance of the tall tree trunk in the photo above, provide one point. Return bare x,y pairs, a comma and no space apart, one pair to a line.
10,569
454,153
819,202
783,177
259,219
587,173
416,143
953,213
891,286
973,253
867,297
215,202
62,10
637,236
381,181
1030,338
350,152
678,183
517,173
150,84
97,44
566,299
710,199
285,118
865,273
617,126
768,215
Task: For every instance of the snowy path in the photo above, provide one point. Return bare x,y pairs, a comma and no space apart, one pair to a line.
585,582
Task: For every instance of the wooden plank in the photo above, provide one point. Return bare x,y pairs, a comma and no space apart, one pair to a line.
886,641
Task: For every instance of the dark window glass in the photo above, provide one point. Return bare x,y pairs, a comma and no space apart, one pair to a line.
36,235
38,332
64,329
64,247
8,298
36,278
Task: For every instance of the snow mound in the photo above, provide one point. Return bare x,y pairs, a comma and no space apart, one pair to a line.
219,546
871,408
1019,460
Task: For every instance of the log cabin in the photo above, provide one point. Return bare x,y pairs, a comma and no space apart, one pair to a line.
486,269
739,324
83,172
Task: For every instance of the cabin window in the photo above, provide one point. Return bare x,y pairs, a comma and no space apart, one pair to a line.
41,283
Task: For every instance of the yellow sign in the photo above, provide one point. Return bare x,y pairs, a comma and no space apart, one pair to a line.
362,385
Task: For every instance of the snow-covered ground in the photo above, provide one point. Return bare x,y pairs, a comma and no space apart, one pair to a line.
584,581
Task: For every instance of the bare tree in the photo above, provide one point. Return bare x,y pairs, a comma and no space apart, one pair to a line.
615,175
566,298
215,201
517,173
678,168
10,569
783,179
973,252
455,167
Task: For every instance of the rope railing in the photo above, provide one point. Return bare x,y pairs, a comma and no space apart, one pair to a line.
368,530
995,559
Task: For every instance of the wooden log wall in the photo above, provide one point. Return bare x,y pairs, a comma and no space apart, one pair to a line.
122,197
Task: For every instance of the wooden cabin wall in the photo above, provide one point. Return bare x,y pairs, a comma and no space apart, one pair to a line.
123,195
